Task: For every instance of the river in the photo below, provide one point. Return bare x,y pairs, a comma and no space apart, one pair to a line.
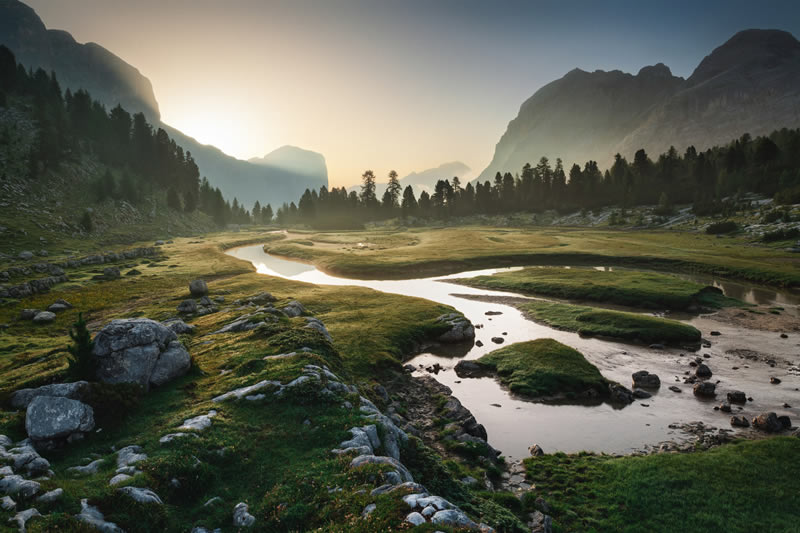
514,424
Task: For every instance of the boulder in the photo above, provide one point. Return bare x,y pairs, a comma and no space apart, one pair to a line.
26,255
294,309
646,380
740,421
768,422
74,391
459,328
469,369
536,451
28,314
17,485
702,371
91,515
141,495
453,518
178,326
51,418
620,394
242,517
705,389
187,307
198,288
541,523
44,317
737,396
22,517
51,496
139,350
415,519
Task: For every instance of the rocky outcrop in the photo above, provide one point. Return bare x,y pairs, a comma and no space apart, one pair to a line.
139,350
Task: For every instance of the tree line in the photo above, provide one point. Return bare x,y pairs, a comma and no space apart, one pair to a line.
768,165
139,159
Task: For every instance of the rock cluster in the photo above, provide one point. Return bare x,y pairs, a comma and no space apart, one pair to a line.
139,350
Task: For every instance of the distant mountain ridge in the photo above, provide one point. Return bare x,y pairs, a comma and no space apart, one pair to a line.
296,160
750,84
112,81
427,178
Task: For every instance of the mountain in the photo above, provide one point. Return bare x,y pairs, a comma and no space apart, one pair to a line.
750,84
112,81
296,162
426,179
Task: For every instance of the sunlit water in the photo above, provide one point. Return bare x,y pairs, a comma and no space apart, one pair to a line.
514,424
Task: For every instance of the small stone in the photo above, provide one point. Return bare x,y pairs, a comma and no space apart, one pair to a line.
715,333
415,519
673,388
51,496
702,371
198,288
498,340
773,380
740,421
536,451
737,396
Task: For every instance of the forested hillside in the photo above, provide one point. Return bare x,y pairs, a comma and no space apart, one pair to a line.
69,145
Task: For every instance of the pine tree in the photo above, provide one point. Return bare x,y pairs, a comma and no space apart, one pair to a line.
173,200
266,214
80,360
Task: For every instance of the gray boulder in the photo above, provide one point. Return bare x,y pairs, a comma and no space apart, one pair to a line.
44,317
74,391
141,495
91,515
737,396
294,308
13,485
187,307
51,418
459,328
178,326
22,517
26,255
198,288
28,314
139,350
241,516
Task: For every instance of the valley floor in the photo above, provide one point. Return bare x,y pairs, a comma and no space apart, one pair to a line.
274,453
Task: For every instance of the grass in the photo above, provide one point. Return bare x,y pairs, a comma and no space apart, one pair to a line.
745,486
591,321
262,454
649,290
543,368
402,253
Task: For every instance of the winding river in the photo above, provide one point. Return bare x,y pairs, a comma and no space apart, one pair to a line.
514,424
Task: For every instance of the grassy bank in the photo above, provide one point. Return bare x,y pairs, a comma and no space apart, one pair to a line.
591,321
649,290
543,368
747,486
404,253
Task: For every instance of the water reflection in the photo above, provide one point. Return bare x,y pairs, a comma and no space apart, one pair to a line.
516,423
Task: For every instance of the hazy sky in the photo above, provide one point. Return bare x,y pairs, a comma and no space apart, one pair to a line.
380,84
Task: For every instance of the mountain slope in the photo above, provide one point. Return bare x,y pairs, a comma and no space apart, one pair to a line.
112,81
749,84
295,161
427,178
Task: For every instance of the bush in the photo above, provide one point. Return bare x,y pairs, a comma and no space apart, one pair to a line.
788,196
781,235
80,359
775,216
718,228
86,222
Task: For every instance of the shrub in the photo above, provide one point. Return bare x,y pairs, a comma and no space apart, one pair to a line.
86,222
80,359
788,196
781,235
718,228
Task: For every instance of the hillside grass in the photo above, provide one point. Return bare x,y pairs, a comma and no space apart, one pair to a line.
543,368
591,321
740,487
649,290
410,253
263,453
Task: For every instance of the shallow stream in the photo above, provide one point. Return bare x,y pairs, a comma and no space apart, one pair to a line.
514,424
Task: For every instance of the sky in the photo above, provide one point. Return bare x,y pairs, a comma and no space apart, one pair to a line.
387,84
